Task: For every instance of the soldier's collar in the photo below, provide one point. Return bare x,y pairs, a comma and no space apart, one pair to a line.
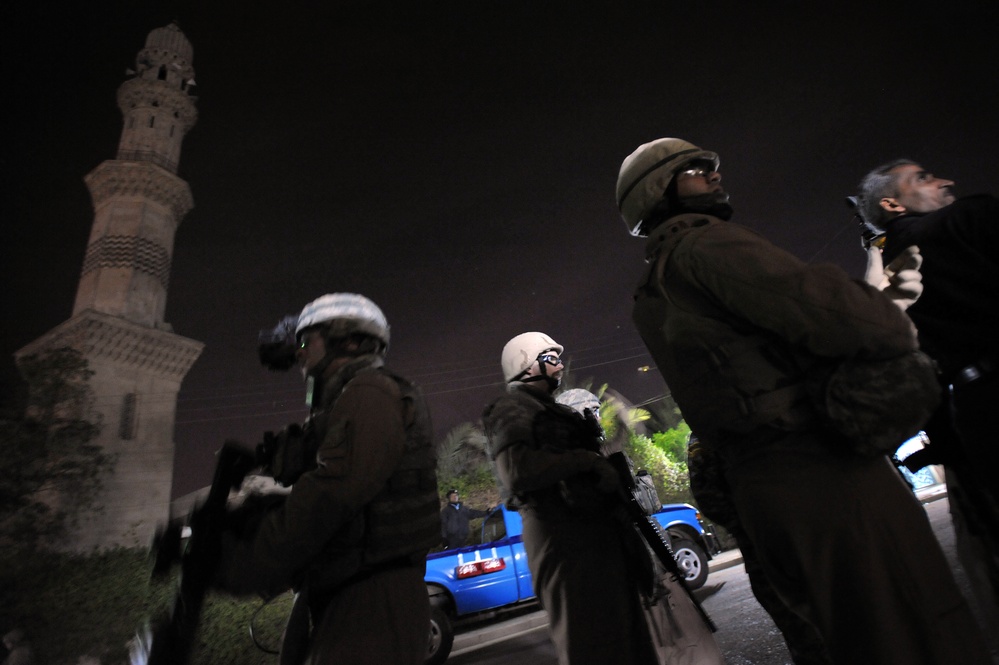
673,228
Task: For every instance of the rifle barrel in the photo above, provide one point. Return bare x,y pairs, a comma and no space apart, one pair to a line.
652,532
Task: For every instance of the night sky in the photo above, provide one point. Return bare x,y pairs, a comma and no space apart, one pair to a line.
456,163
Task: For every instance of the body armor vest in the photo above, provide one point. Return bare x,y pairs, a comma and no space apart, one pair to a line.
404,518
732,378
555,427
728,377
402,523
562,427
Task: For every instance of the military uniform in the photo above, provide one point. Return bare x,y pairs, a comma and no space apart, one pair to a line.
353,534
707,484
585,557
734,324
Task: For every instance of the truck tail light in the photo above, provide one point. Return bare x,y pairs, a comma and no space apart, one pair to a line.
476,568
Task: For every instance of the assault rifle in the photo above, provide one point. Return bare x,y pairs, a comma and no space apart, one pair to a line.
652,532
169,639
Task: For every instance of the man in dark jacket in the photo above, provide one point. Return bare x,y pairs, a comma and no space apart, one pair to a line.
353,534
454,520
958,321
740,331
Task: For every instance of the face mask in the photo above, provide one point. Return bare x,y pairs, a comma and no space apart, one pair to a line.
714,203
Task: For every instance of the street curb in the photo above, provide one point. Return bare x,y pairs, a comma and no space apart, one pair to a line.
483,637
932,493
726,559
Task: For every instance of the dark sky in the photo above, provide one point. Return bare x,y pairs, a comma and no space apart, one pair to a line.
456,163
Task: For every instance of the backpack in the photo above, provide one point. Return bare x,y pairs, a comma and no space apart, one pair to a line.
879,404
645,492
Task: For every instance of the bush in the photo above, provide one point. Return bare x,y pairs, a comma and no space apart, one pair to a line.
671,478
72,605
224,637
673,442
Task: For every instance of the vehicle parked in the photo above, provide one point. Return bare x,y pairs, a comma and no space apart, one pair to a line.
492,577
693,546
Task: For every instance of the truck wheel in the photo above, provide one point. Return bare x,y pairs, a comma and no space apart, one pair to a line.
441,637
692,561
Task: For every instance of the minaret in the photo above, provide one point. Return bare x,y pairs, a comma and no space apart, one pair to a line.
138,199
117,320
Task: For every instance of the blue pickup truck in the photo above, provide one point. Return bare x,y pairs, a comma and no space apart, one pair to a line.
492,577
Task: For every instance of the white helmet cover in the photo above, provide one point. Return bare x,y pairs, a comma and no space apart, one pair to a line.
523,350
579,400
646,173
345,314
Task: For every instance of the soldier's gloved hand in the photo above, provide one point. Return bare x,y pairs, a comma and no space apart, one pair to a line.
607,480
901,280
905,282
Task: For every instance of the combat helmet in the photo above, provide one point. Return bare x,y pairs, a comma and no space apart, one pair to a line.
521,352
647,172
579,400
345,314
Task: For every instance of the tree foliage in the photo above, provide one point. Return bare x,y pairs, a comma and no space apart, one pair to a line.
664,414
673,442
462,451
51,469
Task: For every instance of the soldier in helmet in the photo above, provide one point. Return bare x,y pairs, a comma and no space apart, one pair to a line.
679,633
606,600
353,534
585,558
739,329
587,405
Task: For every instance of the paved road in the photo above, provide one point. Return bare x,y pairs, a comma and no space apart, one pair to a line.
747,636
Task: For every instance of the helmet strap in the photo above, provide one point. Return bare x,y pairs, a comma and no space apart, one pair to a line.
335,348
313,389
668,206
314,380
552,382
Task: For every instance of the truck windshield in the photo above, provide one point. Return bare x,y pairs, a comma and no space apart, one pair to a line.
493,527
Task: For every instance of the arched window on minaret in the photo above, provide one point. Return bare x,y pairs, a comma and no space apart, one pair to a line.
163,72
126,426
152,120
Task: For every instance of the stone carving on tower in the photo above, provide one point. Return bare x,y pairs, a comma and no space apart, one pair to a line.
118,315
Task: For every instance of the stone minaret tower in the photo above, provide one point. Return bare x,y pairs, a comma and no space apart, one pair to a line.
117,319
